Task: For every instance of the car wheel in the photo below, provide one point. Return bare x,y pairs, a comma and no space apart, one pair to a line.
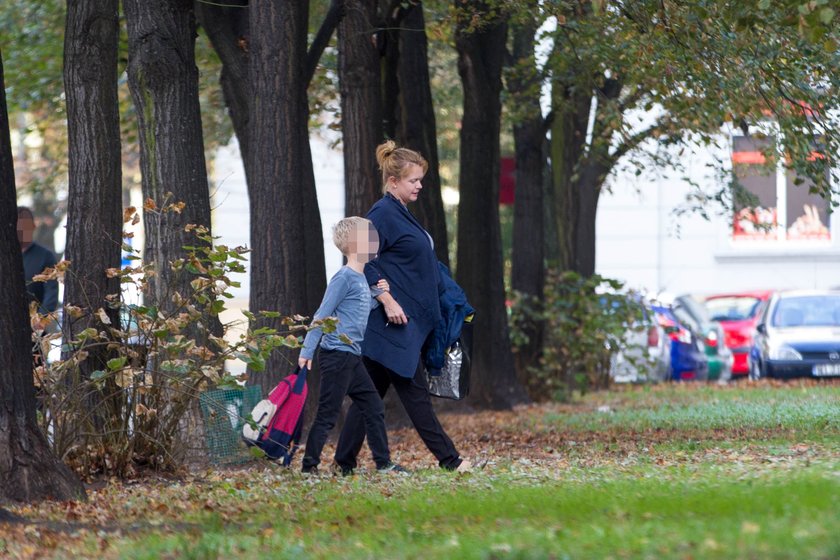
755,371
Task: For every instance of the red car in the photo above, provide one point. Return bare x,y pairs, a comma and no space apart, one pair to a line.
738,315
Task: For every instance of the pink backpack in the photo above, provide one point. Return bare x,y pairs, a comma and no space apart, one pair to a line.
275,423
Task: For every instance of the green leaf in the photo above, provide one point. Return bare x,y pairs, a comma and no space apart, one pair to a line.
97,375
826,15
217,307
257,452
117,363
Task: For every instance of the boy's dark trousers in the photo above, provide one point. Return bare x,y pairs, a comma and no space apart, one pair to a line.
414,394
343,373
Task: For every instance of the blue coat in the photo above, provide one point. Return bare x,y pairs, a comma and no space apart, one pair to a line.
407,261
454,309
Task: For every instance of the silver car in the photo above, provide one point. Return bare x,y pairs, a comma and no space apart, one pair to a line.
646,355
798,335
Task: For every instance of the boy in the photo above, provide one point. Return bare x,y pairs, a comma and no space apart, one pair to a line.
347,297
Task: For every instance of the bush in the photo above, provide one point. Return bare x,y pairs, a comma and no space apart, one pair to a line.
582,321
139,407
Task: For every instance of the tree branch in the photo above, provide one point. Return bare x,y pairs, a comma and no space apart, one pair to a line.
322,39
634,141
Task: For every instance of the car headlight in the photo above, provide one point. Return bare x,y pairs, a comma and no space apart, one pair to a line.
784,352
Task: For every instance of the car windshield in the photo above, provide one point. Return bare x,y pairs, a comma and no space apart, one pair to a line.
693,308
807,311
735,308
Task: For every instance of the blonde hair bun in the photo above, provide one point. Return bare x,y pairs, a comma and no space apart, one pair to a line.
384,150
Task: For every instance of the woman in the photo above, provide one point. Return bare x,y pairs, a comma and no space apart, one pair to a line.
397,330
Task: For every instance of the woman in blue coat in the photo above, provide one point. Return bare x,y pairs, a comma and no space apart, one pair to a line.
398,329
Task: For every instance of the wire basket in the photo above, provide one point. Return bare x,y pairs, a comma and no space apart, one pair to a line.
224,412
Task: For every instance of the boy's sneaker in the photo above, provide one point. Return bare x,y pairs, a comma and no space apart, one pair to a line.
393,468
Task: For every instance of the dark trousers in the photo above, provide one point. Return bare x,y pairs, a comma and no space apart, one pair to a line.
414,395
343,373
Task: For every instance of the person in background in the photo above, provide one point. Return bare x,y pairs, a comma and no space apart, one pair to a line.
35,259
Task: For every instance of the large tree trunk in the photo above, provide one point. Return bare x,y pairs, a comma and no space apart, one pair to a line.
287,261
528,255
163,80
479,268
417,129
361,113
94,225
227,28
568,142
28,469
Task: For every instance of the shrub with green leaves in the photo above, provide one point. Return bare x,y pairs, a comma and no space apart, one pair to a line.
139,409
583,320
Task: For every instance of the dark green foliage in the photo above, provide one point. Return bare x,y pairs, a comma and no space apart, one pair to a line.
586,319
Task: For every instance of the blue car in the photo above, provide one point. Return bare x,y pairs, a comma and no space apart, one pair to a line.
688,357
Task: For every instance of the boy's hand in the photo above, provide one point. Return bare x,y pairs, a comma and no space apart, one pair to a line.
304,363
383,285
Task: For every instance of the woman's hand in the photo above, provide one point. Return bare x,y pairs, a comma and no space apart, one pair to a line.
304,363
383,285
393,310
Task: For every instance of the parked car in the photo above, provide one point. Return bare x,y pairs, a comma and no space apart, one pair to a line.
646,355
798,335
688,357
738,314
691,313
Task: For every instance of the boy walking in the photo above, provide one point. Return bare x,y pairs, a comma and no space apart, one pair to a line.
349,299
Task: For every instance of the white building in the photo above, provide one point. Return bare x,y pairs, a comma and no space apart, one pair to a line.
641,240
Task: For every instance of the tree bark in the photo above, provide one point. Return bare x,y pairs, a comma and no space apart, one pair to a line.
528,255
94,225
479,264
227,29
163,80
571,109
28,469
287,262
361,112
417,129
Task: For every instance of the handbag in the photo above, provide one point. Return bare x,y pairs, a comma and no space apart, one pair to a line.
453,382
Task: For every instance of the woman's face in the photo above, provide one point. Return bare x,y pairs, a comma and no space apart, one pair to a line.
407,187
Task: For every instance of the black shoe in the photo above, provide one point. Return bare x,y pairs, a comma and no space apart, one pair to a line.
342,470
309,470
393,468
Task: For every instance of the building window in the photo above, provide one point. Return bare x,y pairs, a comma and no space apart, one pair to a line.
774,208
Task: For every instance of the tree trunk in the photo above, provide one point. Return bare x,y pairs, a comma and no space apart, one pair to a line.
479,270
163,80
287,261
528,255
568,142
417,129
227,29
28,469
361,113
94,225
589,186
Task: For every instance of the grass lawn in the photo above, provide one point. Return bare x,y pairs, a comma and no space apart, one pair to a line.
673,471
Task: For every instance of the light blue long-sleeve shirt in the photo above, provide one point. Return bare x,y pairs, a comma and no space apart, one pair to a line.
347,297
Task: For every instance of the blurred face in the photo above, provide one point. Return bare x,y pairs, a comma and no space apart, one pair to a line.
366,244
25,230
407,187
